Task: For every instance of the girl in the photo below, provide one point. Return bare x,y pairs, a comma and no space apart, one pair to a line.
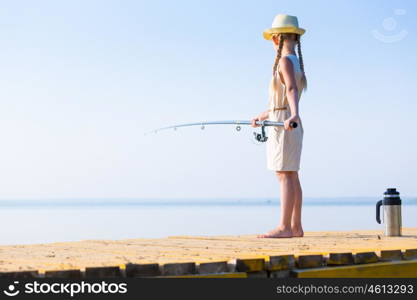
284,144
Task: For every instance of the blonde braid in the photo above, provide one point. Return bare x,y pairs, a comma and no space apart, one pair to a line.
274,82
300,57
278,57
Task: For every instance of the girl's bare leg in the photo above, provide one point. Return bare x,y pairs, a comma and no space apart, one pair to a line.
288,185
296,227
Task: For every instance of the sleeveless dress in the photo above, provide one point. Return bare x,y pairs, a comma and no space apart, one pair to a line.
284,146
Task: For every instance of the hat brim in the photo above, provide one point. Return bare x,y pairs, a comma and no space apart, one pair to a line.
268,33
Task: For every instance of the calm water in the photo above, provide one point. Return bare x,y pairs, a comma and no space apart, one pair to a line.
29,222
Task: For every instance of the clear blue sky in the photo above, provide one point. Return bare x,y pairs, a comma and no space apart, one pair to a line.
81,81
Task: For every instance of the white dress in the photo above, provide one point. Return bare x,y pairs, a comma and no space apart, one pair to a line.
284,146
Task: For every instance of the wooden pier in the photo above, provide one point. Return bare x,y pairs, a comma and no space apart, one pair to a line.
318,254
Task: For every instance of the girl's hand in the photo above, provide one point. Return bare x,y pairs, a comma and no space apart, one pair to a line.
261,117
288,122
254,120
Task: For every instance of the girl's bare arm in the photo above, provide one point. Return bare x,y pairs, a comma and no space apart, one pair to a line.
287,72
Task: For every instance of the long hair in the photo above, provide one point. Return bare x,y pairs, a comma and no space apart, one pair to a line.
274,81
300,58
281,38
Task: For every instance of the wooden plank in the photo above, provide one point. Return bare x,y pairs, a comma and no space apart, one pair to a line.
20,274
213,267
174,269
366,258
410,254
390,255
250,265
102,272
142,270
280,262
340,259
395,269
309,261
73,274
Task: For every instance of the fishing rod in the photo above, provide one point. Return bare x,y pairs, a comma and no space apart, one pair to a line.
260,137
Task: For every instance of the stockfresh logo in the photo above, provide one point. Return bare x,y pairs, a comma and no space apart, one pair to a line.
12,290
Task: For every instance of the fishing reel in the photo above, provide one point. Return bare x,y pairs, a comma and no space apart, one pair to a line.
261,137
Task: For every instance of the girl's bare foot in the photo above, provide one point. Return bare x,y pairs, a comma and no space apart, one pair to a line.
297,232
278,232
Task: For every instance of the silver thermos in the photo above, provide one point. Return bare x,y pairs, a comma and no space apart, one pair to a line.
391,204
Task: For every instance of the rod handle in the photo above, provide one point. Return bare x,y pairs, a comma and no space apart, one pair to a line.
293,124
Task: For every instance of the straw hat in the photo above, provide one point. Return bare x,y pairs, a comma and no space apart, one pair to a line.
283,24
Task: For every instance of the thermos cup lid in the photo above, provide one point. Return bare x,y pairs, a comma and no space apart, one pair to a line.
391,197
392,191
